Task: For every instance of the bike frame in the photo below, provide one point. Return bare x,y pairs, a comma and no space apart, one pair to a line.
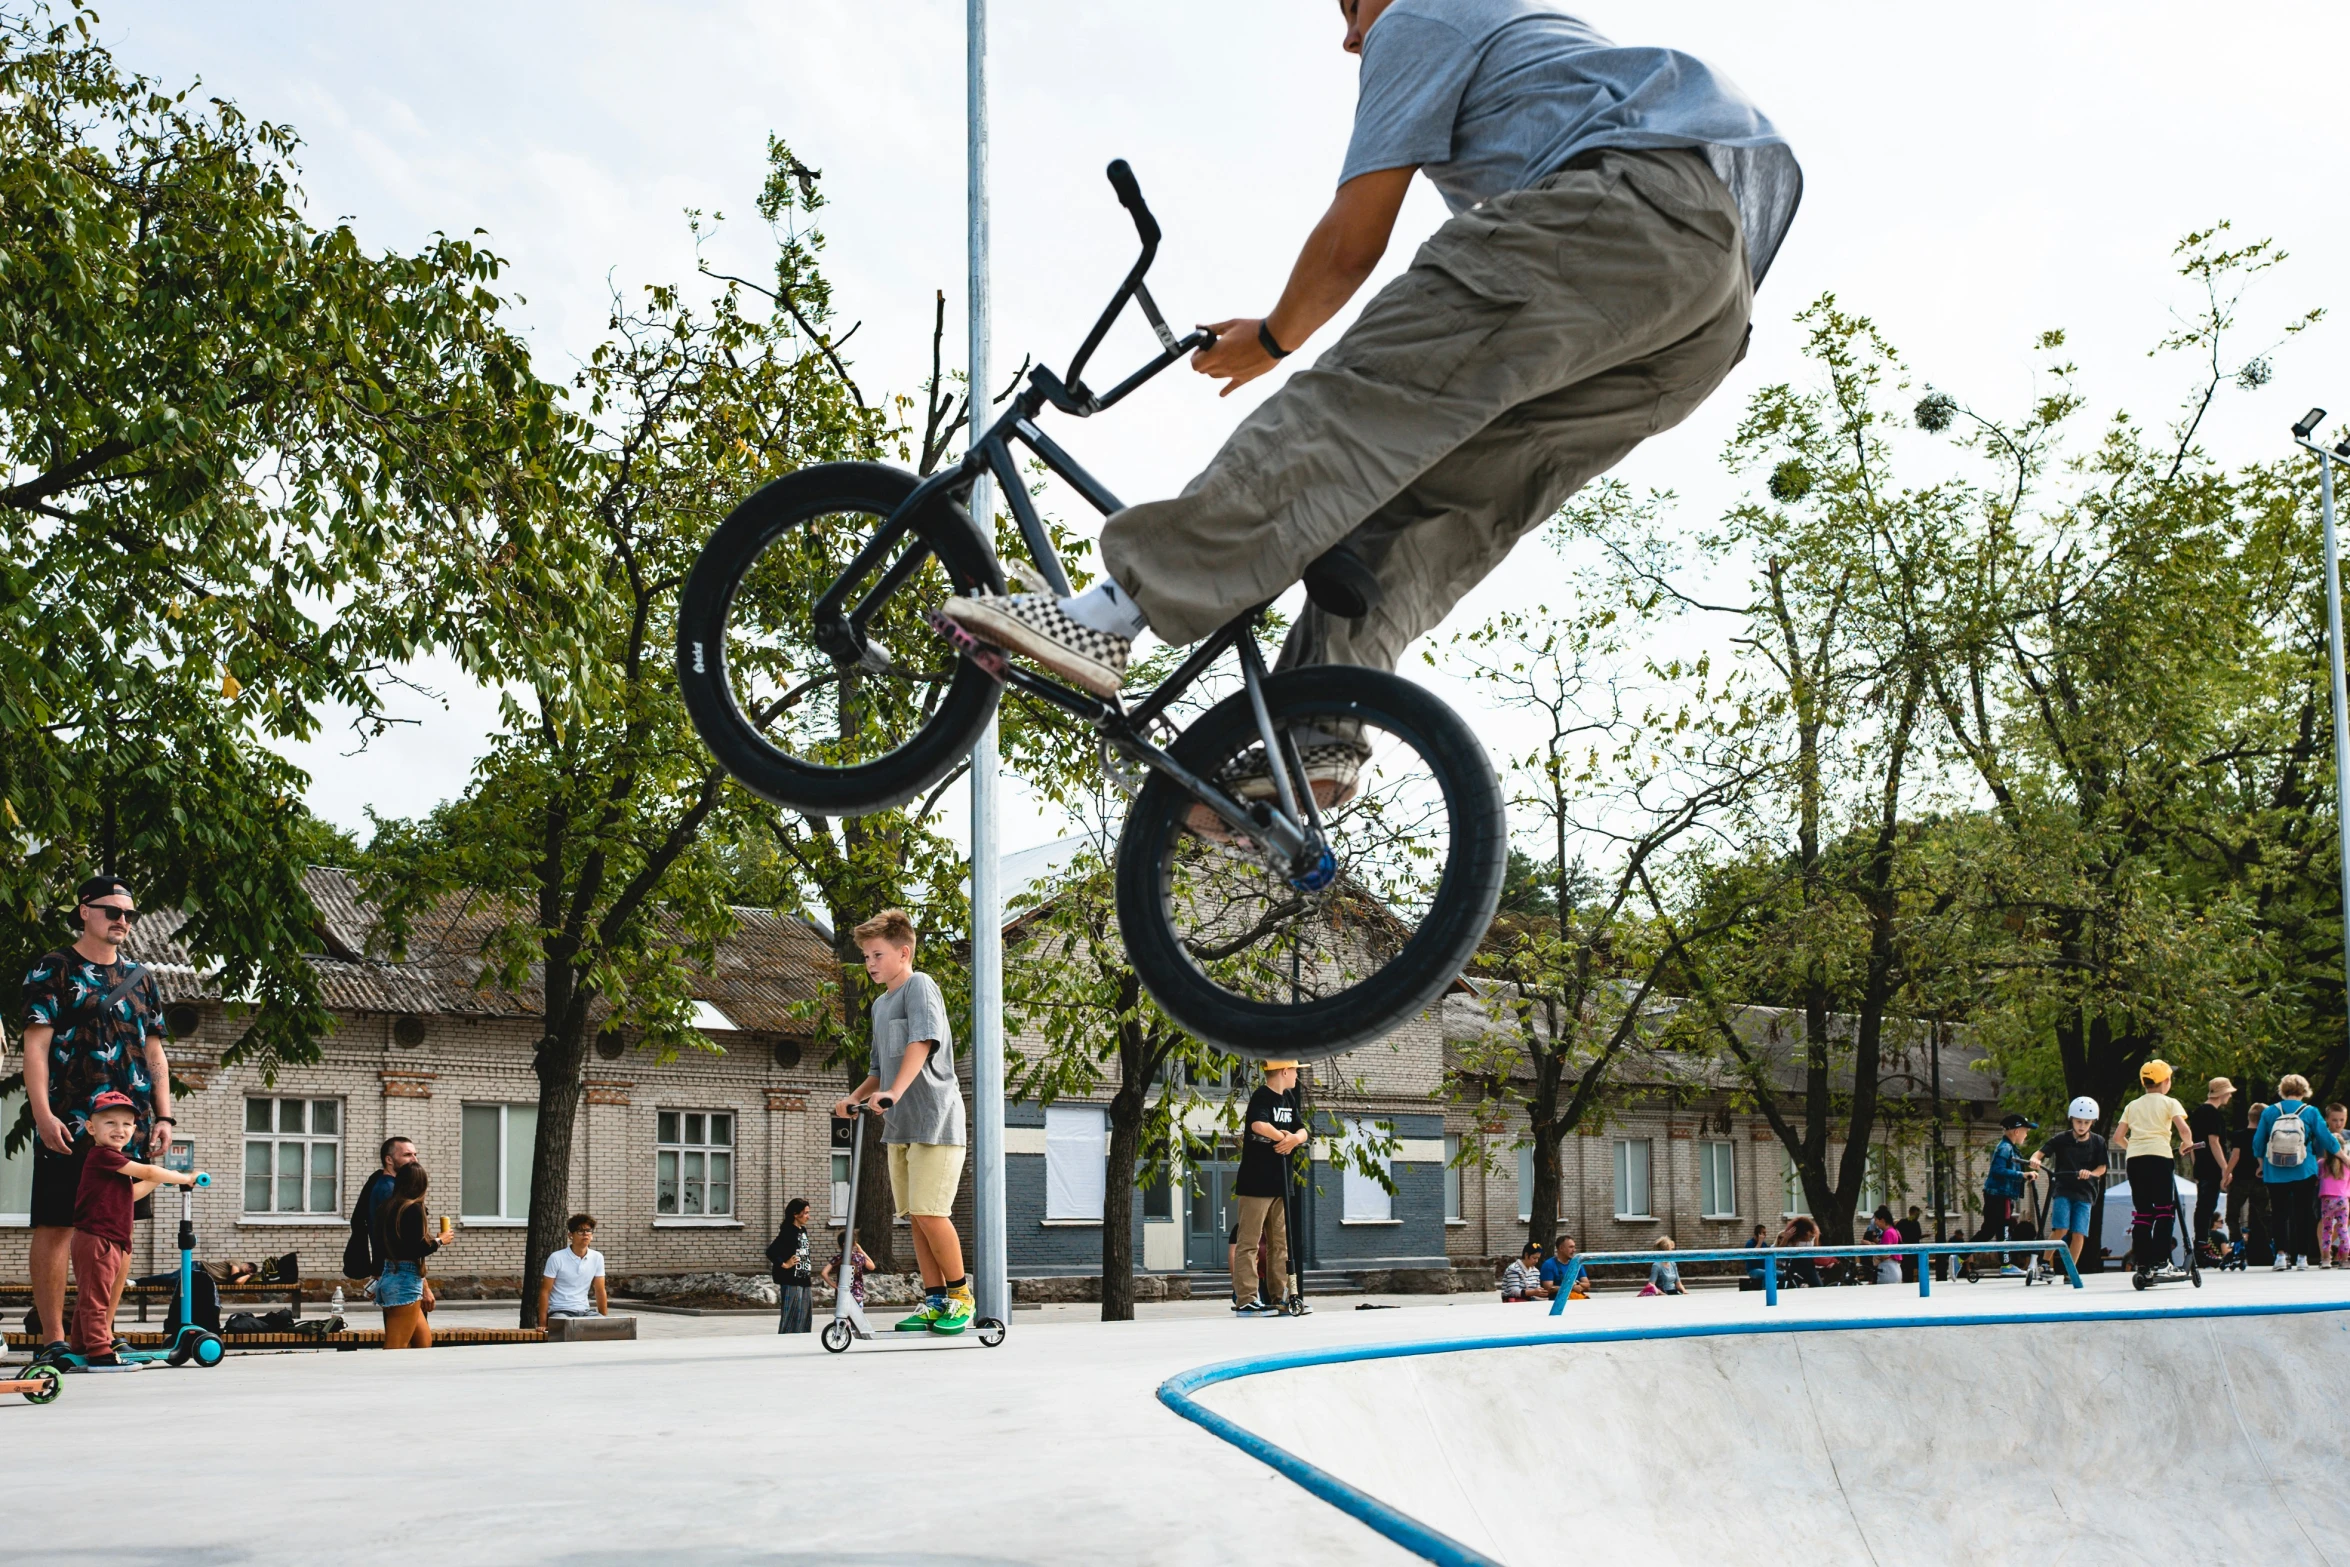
1291,834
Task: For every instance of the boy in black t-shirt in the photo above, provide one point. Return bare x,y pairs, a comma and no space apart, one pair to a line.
2208,1123
2076,1161
1271,1129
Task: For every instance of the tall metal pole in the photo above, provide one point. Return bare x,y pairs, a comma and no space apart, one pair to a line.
2325,507
990,1280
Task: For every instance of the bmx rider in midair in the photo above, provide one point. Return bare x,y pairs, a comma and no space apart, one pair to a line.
1613,210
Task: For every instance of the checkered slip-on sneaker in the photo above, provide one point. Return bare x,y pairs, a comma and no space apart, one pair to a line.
1334,769
1033,626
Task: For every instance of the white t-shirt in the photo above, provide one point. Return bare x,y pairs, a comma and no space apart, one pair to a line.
571,1273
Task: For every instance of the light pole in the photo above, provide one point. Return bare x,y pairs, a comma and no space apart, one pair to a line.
2303,435
990,1281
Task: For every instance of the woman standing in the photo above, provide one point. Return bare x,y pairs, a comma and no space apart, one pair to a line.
787,1255
2288,1167
2150,1157
401,1241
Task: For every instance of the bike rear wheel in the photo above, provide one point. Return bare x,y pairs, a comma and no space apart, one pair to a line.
1244,958
811,724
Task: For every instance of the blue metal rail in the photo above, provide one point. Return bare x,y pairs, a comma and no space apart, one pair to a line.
1769,1255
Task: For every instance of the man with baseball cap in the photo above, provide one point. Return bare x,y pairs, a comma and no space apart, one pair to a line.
93,1026
2003,1183
1271,1129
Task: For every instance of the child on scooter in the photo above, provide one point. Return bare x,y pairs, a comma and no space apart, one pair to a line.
2075,1160
111,1184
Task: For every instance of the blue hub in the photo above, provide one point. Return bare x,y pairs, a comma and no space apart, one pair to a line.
1321,873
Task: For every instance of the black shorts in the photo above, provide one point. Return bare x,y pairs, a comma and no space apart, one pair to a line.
57,1181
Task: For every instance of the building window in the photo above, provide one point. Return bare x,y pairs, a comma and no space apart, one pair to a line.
494,1155
1452,1176
16,1169
1795,1201
693,1164
1158,1196
1364,1199
1717,1180
1526,1183
1632,1160
1076,1161
293,1155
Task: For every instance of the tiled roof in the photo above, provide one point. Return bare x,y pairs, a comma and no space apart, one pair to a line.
770,967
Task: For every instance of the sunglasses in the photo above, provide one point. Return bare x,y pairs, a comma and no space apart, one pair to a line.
127,916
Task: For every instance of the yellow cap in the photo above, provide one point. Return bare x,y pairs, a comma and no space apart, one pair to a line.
2155,1071
1281,1066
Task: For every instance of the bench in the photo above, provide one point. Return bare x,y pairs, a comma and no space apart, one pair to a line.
589,1330
349,1338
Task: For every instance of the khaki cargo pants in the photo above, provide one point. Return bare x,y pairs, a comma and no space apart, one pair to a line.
1535,340
1267,1217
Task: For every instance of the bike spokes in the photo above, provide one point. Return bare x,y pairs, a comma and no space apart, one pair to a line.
857,688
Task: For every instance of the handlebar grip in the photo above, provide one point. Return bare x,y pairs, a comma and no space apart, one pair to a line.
1122,181
203,1178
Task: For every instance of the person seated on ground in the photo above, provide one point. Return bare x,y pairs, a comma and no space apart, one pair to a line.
1664,1275
1522,1279
1800,1230
572,1284
2075,1161
1558,1267
1754,1270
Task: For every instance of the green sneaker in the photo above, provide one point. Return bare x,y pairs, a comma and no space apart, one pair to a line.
925,1317
956,1311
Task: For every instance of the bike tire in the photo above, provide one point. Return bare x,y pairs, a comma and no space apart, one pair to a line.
1455,921
706,604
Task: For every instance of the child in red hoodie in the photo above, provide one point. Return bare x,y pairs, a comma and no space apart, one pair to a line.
102,1223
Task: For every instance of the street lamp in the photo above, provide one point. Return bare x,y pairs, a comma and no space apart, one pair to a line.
2303,435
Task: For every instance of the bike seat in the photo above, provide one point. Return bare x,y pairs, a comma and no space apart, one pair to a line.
1341,583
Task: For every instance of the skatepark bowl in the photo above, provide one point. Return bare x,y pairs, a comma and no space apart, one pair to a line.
2077,1436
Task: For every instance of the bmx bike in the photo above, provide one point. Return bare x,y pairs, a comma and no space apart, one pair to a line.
1273,902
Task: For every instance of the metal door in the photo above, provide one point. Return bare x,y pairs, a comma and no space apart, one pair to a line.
1208,1229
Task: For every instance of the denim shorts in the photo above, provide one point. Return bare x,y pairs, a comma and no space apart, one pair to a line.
2070,1213
402,1284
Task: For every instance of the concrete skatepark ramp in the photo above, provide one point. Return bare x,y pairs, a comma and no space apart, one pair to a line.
2076,1437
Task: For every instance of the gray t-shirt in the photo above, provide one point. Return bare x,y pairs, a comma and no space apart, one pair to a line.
932,1111
1490,96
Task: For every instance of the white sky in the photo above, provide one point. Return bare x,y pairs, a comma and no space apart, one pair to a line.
1974,175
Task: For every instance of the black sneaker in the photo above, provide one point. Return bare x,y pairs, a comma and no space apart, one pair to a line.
1251,1308
52,1353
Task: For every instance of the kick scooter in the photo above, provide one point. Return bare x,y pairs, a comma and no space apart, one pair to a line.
39,1384
848,1322
2170,1272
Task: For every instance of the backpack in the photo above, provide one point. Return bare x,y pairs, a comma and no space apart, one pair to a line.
2288,1140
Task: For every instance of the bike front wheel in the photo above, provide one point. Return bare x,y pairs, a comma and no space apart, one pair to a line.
865,713
1240,954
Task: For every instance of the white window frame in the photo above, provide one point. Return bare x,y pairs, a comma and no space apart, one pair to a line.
684,1148
1362,1200
1076,1163
1526,1183
1622,1161
1791,1186
507,1153
19,1168
1717,1168
1454,1212
307,1140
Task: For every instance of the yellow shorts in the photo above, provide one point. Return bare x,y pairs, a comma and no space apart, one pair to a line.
923,1177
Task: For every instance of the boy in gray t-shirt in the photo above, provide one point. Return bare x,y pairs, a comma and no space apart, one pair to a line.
913,1084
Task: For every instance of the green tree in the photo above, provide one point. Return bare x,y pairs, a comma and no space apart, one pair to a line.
244,459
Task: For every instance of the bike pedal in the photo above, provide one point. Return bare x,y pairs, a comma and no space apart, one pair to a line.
989,658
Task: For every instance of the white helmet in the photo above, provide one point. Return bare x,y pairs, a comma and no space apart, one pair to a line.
2082,1109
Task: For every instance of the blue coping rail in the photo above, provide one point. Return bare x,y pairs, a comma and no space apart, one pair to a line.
1770,1272
1437,1546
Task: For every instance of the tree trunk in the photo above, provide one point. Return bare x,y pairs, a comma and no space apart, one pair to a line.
1118,1207
561,1064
